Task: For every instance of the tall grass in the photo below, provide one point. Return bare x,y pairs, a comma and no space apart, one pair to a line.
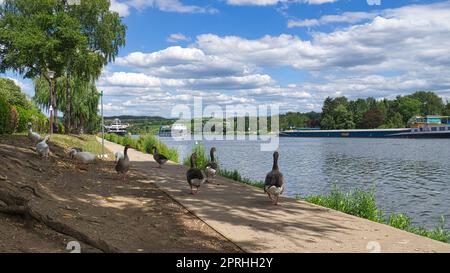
363,204
87,142
202,160
144,144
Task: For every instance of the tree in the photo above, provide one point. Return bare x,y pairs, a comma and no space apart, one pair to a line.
358,108
41,35
84,96
373,119
431,104
343,118
327,123
408,107
12,93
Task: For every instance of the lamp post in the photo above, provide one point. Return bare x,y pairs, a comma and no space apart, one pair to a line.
51,76
103,125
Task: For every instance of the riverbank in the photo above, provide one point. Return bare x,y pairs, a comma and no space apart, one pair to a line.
244,215
92,205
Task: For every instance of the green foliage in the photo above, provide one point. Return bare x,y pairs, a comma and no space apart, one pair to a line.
373,119
78,101
5,119
408,107
339,113
14,119
236,176
37,119
88,143
41,35
299,120
358,202
53,34
363,204
12,93
336,114
201,160
144,144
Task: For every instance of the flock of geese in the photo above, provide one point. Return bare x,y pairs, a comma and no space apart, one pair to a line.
273,184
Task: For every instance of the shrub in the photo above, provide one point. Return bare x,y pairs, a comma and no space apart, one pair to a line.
5,116
14,119
144,144
201,160
362,204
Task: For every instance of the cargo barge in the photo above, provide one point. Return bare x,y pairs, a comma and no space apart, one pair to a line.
420,127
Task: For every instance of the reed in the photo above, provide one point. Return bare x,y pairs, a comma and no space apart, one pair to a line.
362,203
203,159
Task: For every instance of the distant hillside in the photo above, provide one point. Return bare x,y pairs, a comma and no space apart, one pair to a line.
142,124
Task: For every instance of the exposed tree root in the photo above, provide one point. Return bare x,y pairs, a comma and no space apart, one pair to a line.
15,204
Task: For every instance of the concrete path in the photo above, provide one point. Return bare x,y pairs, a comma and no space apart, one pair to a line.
244,215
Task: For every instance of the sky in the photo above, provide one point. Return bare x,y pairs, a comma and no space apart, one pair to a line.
293,53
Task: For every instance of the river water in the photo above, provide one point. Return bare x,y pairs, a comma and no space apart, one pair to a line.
410,176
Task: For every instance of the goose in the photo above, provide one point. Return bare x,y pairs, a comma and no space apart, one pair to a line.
211,167
123,164
42,148
274,184
117,156
159,158
32,136
194,175
83,157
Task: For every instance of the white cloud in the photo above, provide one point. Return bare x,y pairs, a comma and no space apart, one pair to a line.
274,2
122,9
177,37
124,6
346,17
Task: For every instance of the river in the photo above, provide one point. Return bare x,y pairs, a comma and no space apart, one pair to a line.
410,176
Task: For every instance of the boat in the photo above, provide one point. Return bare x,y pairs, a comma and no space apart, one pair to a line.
175,130
419,127
117,128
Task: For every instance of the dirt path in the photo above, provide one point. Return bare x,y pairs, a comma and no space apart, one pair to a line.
130,216
244,215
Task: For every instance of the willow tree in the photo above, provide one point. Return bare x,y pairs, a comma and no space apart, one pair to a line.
73,40
84,96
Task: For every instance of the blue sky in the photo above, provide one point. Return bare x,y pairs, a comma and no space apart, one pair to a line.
290,52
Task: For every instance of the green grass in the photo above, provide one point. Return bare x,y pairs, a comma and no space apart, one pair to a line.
87,142
202,160
363,204
144,144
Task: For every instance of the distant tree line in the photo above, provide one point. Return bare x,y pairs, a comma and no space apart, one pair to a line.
341,113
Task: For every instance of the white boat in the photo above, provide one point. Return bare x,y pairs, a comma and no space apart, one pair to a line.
117,128
176,130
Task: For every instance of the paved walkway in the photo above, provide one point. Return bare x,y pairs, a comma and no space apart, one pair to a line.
244,215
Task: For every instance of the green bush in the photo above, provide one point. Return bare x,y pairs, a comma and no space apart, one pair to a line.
5,116
201,159
14,119
144,144
362,204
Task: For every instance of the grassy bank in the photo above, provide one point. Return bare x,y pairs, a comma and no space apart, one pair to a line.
144,144
362,203
87,142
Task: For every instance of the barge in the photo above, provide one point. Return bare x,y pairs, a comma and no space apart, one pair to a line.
420,127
